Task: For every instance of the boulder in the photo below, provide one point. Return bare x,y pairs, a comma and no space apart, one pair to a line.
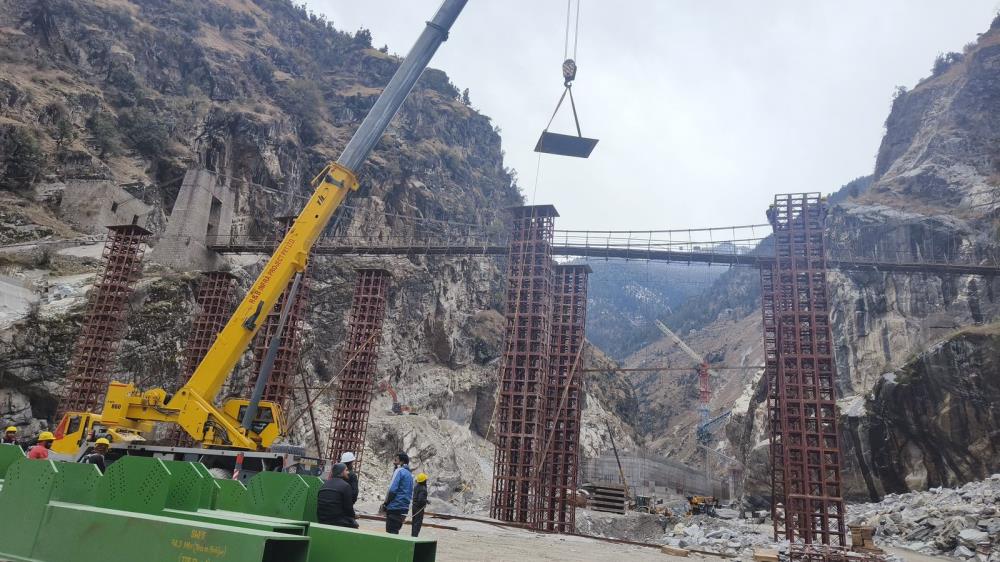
726,514
972,537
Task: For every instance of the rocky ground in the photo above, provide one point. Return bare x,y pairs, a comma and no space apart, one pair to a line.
940,521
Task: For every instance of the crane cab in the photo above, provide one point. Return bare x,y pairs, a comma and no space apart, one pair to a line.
77,429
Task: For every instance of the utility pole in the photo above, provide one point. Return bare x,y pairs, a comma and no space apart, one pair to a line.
621,472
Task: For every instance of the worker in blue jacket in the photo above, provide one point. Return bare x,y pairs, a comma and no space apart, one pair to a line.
397,501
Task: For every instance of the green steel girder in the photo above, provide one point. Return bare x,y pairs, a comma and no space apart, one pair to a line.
138,484
340,544
278,494
232,496
23,501
148,509
210,487
241,520
185,485
9,454
79,533
76,483
312,498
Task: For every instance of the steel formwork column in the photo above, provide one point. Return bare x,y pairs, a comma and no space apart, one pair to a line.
357,380
104,323
802,408
216,300
520,408
559,470
279,384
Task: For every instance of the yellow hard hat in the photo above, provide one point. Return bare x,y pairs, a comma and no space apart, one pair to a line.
102,441
421,477
11,429
46,436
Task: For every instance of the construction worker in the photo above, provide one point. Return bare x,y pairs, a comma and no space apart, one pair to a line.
41,449
419,503
348,459
335,503
10,436
101,447
397,500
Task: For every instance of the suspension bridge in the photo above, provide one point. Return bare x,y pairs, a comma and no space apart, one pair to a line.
876,248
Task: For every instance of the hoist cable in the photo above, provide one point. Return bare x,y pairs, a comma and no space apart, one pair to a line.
558,105
538,172
569,10
576,32
573,105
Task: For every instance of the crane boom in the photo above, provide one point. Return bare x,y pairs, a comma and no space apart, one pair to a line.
192,407
680,343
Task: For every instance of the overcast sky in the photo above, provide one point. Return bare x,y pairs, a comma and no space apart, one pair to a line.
704,109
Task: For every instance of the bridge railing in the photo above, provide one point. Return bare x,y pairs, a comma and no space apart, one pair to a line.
745,245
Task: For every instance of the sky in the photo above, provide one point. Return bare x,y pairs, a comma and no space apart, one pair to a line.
705,109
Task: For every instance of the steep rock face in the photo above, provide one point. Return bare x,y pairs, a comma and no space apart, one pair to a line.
949,431
940,149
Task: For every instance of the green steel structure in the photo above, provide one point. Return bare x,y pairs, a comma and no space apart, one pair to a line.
144,508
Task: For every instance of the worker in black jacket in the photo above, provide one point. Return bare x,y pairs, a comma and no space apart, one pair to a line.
419,503
336,500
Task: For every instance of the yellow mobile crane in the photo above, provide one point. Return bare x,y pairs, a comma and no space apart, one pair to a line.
251,424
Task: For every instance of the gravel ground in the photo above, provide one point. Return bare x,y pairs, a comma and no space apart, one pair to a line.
481,542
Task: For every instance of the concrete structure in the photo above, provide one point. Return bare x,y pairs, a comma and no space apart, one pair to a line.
92,205
203,209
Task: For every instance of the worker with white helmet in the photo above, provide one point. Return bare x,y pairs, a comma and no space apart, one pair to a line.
101,447
10,436
348,459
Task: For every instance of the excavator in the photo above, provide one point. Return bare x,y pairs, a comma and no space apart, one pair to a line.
397,408
245,428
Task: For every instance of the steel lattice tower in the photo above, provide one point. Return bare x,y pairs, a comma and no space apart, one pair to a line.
216,300
104,323
357,380
520,409
807,501
559,470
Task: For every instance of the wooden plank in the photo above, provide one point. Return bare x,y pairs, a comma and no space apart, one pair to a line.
674,551
765,555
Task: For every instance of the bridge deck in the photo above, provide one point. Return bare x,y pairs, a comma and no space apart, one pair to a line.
751,259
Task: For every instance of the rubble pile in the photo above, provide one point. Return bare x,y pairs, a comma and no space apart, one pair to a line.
633,526
961,522
714,534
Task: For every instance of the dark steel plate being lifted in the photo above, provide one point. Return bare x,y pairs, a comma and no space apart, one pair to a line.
565,145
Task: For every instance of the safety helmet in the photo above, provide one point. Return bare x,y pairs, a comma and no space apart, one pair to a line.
46,436
347,457
102,441
10,429
421,478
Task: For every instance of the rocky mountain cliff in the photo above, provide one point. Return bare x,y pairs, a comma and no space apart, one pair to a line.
125,96
915,367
